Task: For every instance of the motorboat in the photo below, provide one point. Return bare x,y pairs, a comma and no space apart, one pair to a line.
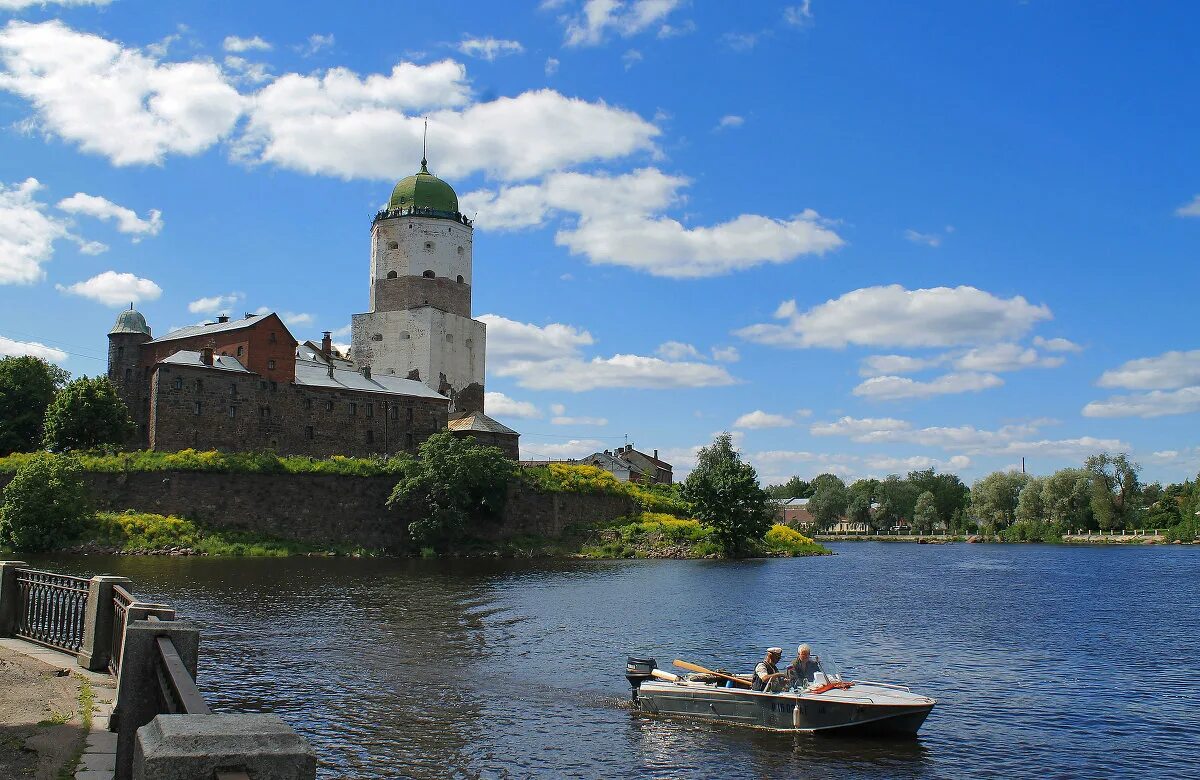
827,704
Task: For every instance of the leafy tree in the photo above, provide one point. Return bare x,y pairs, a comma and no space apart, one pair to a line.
858,509
726,495
1115,490
828,501
948,490
1030,506
27,386
901,495
44,505
994,498
453,482
925,513
793,488
86,414
1067,498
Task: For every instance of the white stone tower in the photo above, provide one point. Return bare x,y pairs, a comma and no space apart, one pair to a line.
419,325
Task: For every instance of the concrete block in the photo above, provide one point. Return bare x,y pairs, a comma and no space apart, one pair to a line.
84,774
98,622
101,742
98,762
192,747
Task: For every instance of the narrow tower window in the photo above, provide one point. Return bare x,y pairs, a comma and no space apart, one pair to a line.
428,274
393,245
428,246
460,279
391,275
460,251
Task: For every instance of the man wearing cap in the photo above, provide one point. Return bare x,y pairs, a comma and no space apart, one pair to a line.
767,670
800,672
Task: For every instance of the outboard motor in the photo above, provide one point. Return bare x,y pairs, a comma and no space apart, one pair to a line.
637,671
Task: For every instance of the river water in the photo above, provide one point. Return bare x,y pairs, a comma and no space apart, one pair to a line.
1046,661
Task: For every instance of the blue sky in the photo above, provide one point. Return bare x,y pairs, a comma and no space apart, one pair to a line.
864,237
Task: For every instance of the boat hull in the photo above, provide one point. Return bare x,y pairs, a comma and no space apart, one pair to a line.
803,713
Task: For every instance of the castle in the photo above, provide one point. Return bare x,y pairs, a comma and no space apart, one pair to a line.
415,367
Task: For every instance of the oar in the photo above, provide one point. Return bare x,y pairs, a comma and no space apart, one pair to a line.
702,670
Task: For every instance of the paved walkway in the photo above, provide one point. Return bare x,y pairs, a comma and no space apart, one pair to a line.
35,698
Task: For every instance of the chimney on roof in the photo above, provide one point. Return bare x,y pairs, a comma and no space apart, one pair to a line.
326,344
366,372
248,316
223,318
656,454
206,355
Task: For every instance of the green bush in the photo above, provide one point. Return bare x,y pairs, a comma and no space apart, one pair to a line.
226,462
86,414
145,532
1033,531
579,478
785,540
44,504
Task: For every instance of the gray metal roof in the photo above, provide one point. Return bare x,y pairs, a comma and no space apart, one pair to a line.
130,321
212,327
478,421
796,502
186,357
311,373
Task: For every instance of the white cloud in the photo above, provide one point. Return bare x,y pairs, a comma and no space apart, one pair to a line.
600,18
215,303
798,15
632,371
928,239
235,44
891,388
579,421
677,350
509,340
19,5
879,365
1163,372
314,44
551,66
499,404
631,58
115,101
575,448
489,48
127,220
726,354
1156,403
739,41
761,419
114,289
1190,209
247,71
27,233
894,316
290,318
1004,357
730,121
13,347
619,223
90,247
1056,345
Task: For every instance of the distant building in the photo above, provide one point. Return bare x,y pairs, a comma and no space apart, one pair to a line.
416,366
793,512
630,465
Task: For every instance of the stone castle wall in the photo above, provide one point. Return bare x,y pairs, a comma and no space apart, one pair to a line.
325,509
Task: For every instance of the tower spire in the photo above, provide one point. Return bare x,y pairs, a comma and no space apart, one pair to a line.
424,140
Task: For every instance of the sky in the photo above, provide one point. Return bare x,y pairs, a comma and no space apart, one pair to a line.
862,237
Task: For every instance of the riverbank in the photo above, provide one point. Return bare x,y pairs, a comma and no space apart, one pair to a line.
1079,540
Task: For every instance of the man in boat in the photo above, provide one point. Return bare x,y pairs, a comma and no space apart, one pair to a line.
767,671
801,671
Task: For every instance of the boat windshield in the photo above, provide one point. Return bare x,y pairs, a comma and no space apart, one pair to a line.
827,671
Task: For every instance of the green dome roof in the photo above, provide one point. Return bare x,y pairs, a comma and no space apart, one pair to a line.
130,321
424,190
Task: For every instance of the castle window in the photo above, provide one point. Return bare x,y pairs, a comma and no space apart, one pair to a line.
274,444
233,389
461,251
470,343
271,365
308,432
196,408
178,383
232,412
403,335
393,245
391,275
377,337
353,409
370,410
239,353
461,279
129,375
271,337
329,406
120,352
199,385
308,404
450,337
395,412
262,385
273,386
408,414
428,274
264,412
408,440
428,246
370,437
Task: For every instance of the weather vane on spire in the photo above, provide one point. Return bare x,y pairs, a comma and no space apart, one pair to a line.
424,139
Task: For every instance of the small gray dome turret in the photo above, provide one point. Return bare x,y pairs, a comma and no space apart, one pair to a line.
130,321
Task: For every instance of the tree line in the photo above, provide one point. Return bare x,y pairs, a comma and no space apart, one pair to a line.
42,408
1105,493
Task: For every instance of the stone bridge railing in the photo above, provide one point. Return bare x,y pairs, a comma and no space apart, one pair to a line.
164,727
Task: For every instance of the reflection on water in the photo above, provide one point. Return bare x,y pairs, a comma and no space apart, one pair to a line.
1039,657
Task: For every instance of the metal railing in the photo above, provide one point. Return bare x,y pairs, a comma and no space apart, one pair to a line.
121,601
51,609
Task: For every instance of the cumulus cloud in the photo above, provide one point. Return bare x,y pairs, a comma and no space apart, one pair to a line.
314,44
992,358
798,15
1056,345
1190,209
1163,372
551,66
27,233
892,388
730,121
880,365
114,289
118,102
235,44
214,304
928,239
12,347
290,318
726,354
500,405
598,19
618,221
247,71
20,5
126,219
564,420
895,316
1004,357
1156,403
677,350
575,448
489,48
511,340
760,419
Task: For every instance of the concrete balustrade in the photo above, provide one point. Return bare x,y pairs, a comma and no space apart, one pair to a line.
98,623
9,598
